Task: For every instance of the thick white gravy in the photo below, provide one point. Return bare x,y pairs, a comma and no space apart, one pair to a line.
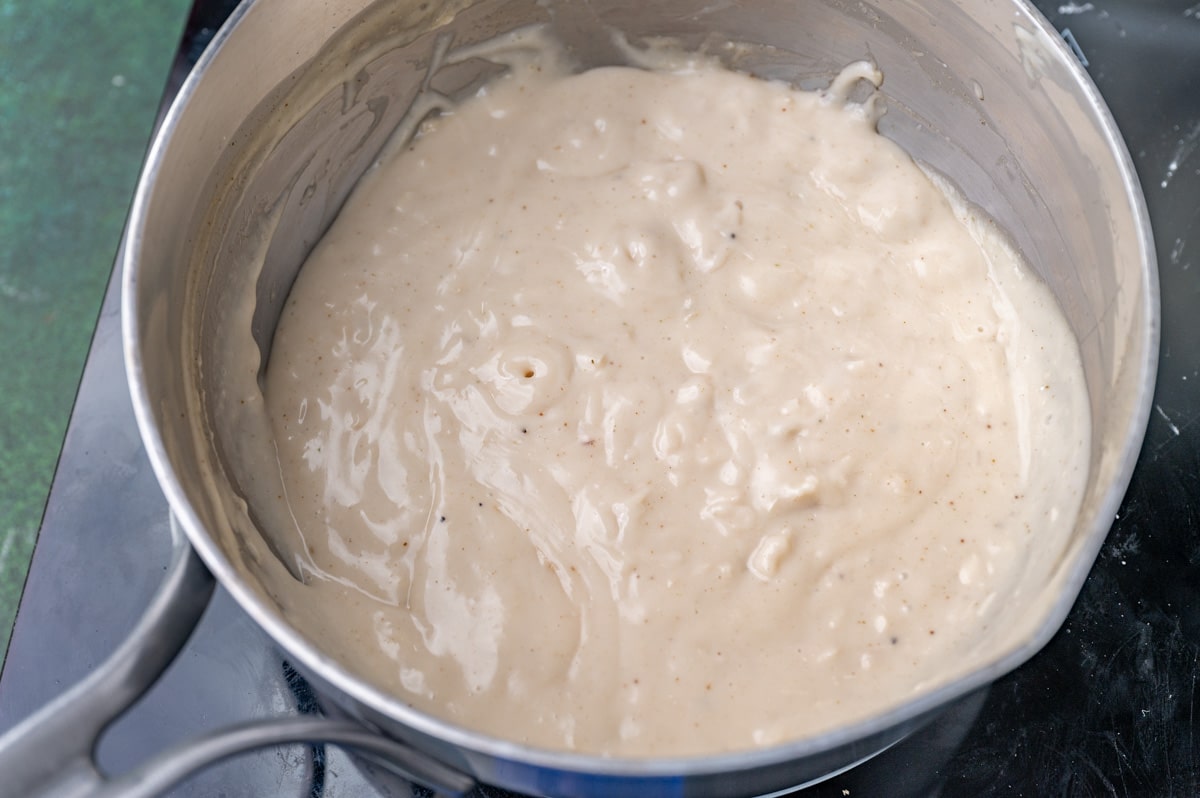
666,412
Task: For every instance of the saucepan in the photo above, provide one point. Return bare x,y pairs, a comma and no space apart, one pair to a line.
296,99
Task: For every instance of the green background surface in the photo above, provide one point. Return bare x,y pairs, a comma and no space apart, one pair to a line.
80,81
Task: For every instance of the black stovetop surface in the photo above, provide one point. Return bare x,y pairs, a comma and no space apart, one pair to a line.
1107,708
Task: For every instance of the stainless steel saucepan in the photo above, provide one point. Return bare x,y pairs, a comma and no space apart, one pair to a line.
296,99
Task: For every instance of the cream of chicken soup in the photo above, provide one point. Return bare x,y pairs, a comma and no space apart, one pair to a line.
666,412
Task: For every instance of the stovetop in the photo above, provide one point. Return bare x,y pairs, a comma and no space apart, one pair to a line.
1107,708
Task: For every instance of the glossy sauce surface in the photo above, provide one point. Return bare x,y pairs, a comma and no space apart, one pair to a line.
666,412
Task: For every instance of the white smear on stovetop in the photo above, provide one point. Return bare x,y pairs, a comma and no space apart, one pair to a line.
1076,8
1166,418
1183,150
1177,252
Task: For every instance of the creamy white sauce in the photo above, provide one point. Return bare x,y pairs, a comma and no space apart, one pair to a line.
666,412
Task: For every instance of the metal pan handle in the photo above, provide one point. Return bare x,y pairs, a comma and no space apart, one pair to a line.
52,752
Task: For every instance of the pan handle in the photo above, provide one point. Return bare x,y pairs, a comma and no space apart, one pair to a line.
52,752
171,767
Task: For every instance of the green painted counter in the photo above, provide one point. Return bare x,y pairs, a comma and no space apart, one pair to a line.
80,83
